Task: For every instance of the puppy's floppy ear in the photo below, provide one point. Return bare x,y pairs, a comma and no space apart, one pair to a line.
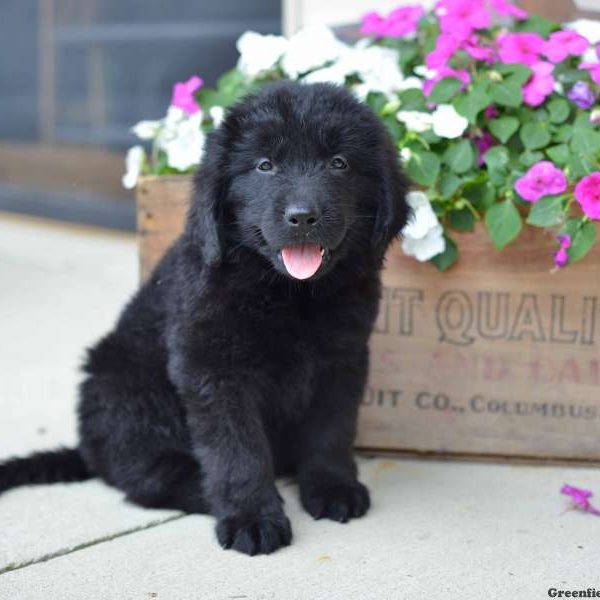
205,217
392,210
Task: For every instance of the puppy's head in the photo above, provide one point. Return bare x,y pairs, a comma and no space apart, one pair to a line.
303,175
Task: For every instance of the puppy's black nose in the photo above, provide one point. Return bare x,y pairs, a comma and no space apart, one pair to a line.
302,216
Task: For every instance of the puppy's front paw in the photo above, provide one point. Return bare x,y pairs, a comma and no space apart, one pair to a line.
258,534
336,501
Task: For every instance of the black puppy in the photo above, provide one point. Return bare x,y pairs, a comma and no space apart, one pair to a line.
245,355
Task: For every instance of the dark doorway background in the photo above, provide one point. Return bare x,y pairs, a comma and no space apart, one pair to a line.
76,74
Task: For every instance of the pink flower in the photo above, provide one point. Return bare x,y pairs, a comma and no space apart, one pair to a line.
398,23
540,84
565,43
587,193
444,72
594,70
580,497
474,50
561,256
542,179
520,48
445,48
503,7
183,95
462,17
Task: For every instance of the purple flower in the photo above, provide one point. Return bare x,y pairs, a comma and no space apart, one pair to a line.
483,143
561,256
582,95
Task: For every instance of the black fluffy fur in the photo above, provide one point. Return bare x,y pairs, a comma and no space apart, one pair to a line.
223,371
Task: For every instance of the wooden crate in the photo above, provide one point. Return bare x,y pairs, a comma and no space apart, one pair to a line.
497,357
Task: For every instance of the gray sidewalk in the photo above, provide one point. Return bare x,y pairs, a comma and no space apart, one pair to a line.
436,530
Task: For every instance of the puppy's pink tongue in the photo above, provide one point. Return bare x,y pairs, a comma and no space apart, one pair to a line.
302,261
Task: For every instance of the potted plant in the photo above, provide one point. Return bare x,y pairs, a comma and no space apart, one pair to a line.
495,114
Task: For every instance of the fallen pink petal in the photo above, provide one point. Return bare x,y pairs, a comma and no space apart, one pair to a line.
580,498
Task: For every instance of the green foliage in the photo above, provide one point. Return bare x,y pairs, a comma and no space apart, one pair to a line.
504,127
460,156
583,237
547,212
423,167
470,104
535,135
503,223
446,259
464,192
444,90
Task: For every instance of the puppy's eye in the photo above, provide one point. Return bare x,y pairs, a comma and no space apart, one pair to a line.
265,165
338,163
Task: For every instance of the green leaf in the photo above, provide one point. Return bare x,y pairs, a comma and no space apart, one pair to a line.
395,128
507,93
559,110
496,157
546,212
412,99
503,223
579,166
448,257
517,73
529,158
504,127
460,156
558,154
563,133
449,183
376,101
423,167
469,105
481,195
585,141
444,90
535,135
461,220
583,238
537,24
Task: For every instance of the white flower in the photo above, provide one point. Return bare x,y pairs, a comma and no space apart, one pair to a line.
595,116
217,114
423,236
424,72
379,70
310,48
447,122
258,52
134,161
588,28
415,121
146,130
182,139
333,74
405,155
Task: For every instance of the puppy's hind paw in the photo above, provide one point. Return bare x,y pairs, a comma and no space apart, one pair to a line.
336,501
259,534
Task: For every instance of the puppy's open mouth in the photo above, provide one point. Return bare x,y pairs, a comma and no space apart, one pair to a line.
303,260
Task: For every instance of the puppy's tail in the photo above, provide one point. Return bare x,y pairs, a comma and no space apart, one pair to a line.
62,465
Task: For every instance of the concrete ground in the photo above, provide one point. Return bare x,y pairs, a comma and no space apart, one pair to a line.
437,529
